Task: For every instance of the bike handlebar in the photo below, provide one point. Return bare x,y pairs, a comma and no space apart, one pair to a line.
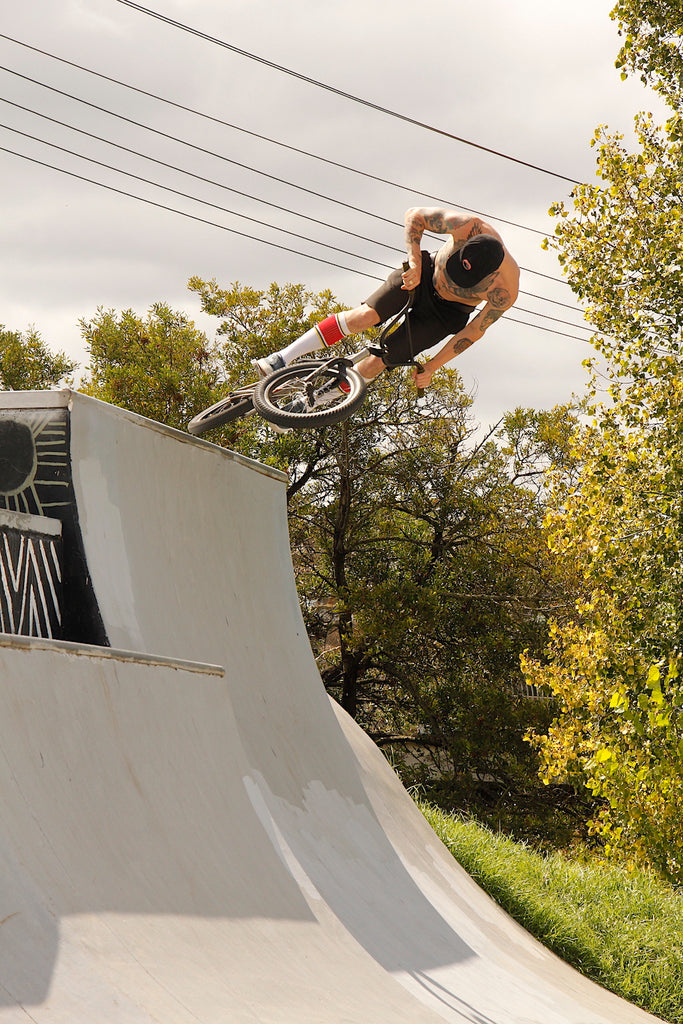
408,306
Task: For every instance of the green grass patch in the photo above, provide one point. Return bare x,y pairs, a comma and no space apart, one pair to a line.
621,928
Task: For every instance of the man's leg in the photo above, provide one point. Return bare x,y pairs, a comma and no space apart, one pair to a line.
328,332
360,319
370,367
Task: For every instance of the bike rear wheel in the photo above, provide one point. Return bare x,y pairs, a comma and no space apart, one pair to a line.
309,381
229,408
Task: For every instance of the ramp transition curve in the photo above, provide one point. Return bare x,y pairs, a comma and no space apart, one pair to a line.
190,830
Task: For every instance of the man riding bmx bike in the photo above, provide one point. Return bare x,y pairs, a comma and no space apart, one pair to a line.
472,267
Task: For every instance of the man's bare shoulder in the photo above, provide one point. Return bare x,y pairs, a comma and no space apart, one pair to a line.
507,279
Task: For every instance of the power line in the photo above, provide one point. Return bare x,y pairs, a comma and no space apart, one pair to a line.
199,149
222,209
338,92
222,227
181,213
550,330
192,174
544,298
532,312
228,188
265,138
246,195
221,156
203,202
237,192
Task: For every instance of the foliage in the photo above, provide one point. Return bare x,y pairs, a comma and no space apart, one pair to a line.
425,575
616,667
27,364
653,44
161,366
254,323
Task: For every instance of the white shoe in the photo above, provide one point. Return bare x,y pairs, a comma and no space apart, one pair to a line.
269,364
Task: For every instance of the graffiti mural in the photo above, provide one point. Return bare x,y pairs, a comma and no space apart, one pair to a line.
30,583
35,480
34,462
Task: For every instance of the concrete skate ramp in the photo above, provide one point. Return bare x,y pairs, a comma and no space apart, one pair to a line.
190,830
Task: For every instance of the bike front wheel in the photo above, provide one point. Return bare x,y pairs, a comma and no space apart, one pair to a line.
229,408
288,397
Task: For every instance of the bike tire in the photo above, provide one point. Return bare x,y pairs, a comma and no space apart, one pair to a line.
232,407
288,384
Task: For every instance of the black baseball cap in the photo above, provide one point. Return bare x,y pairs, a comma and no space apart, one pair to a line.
476,260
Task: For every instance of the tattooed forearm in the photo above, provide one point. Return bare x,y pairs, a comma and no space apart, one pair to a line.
489,318
461,344
413,234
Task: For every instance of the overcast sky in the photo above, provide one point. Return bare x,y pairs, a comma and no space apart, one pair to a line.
530,79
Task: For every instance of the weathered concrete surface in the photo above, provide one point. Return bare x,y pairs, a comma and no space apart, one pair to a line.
194,832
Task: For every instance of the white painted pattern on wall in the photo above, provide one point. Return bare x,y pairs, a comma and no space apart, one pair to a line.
30,585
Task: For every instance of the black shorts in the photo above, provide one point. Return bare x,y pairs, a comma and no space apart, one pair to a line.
431,318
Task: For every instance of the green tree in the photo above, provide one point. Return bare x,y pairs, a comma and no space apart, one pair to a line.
27,364
425,574
653,45
253,323
161,366
616,666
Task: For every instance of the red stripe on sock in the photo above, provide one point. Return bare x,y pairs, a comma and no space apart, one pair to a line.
329,330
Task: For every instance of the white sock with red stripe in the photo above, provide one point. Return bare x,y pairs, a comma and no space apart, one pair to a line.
328,332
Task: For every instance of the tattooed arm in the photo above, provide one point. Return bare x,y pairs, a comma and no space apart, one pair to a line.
419,219
498,300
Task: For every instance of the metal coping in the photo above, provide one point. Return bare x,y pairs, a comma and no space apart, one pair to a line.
31,643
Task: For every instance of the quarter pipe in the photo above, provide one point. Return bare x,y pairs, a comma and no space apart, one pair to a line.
190,830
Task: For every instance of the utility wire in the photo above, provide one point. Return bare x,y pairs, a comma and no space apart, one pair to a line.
192,174
241,234
185,195
532,312
181,213
550,330
254,220
265,138
338,92
209,181
220,156
200,149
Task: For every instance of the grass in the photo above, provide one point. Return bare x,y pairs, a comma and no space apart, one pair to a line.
622,928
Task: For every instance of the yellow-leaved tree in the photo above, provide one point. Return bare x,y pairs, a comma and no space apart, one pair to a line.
616,665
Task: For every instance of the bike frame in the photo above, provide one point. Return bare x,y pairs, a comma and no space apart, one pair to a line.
219,413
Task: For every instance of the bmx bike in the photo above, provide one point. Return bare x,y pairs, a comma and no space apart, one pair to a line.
310,393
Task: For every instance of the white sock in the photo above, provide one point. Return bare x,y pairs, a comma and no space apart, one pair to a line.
308,342
327,332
